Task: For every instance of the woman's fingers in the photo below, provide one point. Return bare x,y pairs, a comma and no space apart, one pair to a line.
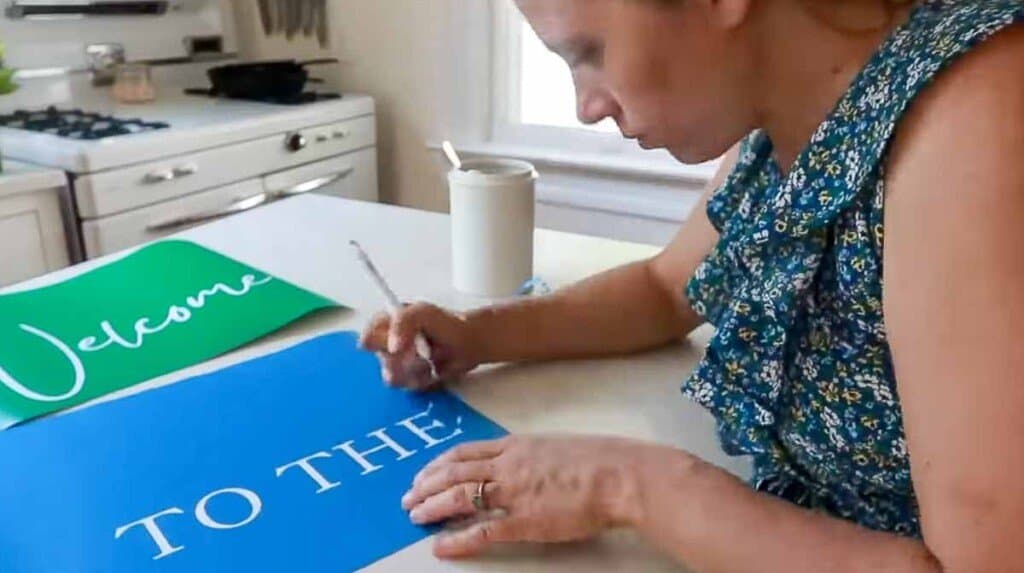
406,325
407,371
400,365
468,452
375,336
451,352
412,320
445,478
454,502
477,538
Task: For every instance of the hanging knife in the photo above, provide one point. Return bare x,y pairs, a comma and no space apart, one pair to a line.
321,25
265,17
294,12
309,18
280,15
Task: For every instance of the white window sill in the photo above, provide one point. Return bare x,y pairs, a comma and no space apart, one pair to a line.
605,164
606,184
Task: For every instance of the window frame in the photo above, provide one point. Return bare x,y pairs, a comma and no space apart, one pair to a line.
583,171
507,130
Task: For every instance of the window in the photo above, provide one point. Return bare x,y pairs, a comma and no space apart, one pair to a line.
546,94
534,106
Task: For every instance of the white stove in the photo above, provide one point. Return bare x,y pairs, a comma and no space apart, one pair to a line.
138,172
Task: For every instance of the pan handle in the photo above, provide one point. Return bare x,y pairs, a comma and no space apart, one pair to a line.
305,63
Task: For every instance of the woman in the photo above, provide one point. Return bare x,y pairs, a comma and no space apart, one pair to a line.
884,419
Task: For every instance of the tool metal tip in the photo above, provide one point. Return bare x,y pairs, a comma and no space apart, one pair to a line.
360,253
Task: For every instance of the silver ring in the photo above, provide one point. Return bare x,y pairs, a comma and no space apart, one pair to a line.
479,501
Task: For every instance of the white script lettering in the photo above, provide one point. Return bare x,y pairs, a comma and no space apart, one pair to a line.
154,532
305,465
175,315
421,432
386,443
422,425
76,365
255,507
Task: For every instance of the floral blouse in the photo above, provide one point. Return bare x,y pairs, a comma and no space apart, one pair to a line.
799,374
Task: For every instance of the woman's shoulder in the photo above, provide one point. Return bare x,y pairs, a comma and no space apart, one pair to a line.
973,111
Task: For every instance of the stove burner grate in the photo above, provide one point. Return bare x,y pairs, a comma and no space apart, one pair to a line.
76,124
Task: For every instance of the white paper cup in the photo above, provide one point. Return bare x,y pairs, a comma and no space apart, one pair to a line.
492,214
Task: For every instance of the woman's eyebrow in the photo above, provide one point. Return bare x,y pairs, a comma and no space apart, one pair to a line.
573,47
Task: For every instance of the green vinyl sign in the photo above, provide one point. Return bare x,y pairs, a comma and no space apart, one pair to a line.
164,307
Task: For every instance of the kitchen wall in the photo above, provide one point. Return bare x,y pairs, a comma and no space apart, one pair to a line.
428,65
414,57
60,42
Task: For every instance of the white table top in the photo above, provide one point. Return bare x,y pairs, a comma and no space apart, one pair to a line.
304,240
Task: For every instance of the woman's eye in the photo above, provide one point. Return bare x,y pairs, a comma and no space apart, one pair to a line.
590,57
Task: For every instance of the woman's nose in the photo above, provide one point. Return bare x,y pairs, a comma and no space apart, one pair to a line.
593,106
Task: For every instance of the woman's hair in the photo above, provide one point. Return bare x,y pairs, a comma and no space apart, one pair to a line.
890,3
814,7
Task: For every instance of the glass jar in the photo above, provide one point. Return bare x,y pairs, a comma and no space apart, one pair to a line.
133,83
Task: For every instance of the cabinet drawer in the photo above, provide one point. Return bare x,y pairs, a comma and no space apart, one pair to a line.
117,232
116,191
351,176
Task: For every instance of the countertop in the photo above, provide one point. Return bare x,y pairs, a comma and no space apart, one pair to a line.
304,240
20,177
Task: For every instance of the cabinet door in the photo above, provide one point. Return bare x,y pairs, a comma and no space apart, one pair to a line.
32,238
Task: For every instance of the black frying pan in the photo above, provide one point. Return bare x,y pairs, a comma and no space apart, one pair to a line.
261,80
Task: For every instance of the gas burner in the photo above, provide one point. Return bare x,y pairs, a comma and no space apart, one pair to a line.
297,99
76,124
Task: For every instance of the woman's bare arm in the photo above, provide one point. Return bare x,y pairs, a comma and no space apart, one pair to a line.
627,309
954,305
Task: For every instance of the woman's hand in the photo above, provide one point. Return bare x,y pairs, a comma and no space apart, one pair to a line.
550,489
452,350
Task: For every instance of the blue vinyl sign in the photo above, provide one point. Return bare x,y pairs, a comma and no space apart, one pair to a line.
292,462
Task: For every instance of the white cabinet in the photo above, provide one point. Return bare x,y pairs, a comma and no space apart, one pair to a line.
33,239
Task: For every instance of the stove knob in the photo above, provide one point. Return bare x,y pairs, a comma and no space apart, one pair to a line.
295,142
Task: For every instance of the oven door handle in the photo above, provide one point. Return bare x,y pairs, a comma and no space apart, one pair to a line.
249,203
312,185
240,206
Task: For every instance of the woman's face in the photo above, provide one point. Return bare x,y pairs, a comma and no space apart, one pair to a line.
671,76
